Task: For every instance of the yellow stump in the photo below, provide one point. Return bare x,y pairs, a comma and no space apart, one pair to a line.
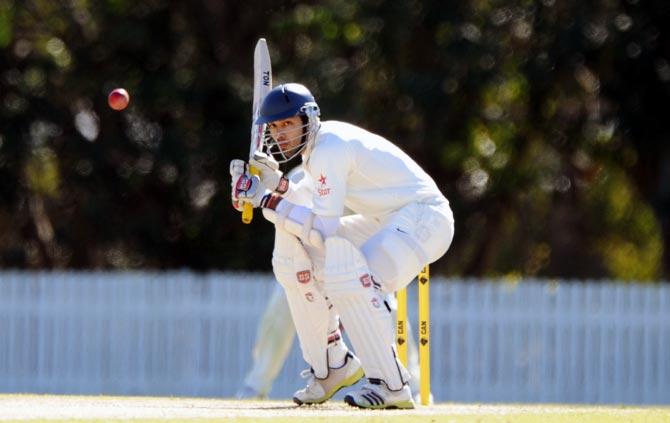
424,334
401,326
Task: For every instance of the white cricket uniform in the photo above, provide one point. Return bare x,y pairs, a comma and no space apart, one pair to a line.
400,222
316,323
276,330
300,187
387,191
365,172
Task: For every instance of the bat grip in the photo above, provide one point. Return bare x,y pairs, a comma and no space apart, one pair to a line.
248,209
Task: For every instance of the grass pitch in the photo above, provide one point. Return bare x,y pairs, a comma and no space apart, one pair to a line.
44,408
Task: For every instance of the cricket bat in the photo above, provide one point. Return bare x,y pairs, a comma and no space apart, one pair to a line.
262,86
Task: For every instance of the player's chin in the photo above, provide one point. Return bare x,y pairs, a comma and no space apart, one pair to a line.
289,153
285,147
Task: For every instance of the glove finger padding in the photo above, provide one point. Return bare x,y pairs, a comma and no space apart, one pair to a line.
261,159
270,175
249,189
237,169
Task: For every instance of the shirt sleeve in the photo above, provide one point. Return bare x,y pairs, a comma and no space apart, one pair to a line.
329,166
299,189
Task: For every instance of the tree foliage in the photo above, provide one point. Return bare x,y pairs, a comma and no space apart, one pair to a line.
542,121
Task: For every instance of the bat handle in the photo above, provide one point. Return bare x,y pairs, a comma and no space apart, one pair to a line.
248,210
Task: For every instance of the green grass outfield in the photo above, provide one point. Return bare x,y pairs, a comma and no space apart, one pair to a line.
44,408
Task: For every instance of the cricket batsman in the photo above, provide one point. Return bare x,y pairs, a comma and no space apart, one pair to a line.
334,267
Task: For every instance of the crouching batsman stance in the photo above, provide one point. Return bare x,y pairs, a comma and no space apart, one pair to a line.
336,265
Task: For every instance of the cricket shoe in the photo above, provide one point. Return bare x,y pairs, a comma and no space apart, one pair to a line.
376,395
321,390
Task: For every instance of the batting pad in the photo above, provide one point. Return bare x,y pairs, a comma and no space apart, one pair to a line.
293,269
365,317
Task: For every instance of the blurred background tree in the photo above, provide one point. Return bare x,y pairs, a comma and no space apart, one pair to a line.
544,123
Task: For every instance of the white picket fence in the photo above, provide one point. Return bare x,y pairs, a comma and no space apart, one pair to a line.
191,334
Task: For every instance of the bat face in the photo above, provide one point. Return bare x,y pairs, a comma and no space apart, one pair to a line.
262,86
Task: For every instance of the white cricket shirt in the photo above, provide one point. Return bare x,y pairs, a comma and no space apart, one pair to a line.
300,188
354,168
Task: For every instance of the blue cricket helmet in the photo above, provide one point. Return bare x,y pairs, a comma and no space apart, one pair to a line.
285,101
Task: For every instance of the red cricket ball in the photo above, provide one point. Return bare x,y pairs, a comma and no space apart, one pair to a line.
118,99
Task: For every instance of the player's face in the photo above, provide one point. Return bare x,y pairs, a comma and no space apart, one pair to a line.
287,132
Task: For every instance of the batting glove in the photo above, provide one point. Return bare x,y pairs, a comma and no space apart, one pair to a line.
271,177
237,169
248,189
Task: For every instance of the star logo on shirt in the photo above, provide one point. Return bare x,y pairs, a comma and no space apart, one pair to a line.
322,190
